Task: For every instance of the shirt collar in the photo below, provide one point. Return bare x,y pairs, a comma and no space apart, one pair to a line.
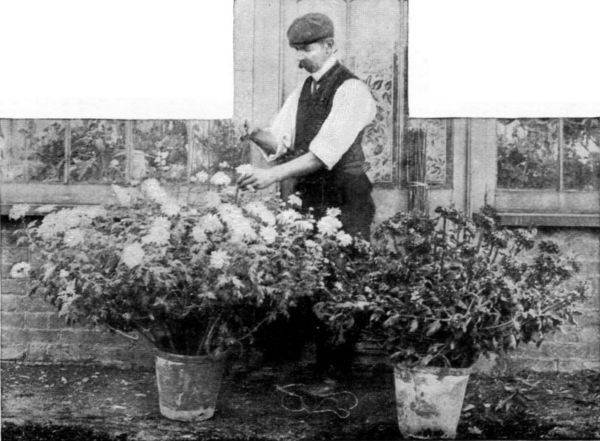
326,66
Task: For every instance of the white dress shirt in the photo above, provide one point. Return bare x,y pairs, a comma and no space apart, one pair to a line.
352,109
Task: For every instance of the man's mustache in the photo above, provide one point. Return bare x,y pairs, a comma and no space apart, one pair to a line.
303,64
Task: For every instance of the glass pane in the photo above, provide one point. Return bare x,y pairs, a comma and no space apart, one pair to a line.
527,153
217,146
581,161
435,132
97,151
13,150
159,150
33,150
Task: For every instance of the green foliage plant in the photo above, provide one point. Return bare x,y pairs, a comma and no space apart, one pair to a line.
448,288
441,290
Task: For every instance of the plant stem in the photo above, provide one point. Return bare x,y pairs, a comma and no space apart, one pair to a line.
479,241
495,255
170,338
143,333
124,334
253,330
205,342
490,252
499,325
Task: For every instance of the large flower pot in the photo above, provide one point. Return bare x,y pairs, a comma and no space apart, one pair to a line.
188,386
429,400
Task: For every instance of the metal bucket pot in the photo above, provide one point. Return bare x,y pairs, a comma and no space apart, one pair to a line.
429,400
188,386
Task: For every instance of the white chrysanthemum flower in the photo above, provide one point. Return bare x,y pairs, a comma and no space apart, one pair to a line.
239,226
210,223
295,200
333,212
241,229
20,270
49,226
159,232
304,225
74,237
338,286
329,225
153,191
158,237
123,195
114,163
220,178
343,238
133,255
18,211
212,199
198,234
170,208
260,210
288,216
219,259
224,164
90,212
45,209
161,223
63,274
229,210
268,234
229,190
310,243
244,169
201,176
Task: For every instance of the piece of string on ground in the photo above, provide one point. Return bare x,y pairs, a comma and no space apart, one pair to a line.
296,399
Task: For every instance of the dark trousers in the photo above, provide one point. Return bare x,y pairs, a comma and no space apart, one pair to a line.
351,193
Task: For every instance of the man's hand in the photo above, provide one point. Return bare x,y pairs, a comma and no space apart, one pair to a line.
258,179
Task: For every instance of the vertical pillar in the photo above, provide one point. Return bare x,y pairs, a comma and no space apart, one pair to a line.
128,149
416,173
67,143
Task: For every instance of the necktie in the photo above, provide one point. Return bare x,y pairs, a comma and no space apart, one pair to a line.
313,86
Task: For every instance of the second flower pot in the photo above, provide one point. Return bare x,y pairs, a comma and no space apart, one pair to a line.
429,399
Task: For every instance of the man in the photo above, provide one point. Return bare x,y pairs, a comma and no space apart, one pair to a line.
316,137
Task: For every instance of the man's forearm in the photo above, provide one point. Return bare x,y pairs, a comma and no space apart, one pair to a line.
259,178
264,140
300,166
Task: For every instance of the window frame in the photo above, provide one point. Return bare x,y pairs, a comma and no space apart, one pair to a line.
66,192
557,207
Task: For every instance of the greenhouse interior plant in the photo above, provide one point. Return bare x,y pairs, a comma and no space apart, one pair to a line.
196,276
444,289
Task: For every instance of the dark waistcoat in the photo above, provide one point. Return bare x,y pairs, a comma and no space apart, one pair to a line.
313,110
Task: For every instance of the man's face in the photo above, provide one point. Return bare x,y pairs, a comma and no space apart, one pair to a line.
312,56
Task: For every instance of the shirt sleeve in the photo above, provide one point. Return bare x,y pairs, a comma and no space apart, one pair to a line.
283,125
353,108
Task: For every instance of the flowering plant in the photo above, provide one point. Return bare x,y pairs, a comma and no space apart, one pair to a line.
193,276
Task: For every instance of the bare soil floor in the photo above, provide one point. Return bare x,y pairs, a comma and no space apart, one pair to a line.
71,402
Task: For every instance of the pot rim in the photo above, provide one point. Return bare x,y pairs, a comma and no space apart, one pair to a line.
434,370
197,359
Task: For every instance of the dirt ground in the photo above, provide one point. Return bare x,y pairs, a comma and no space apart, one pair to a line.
74,402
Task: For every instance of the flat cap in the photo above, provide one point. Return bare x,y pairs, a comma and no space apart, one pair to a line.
309,28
